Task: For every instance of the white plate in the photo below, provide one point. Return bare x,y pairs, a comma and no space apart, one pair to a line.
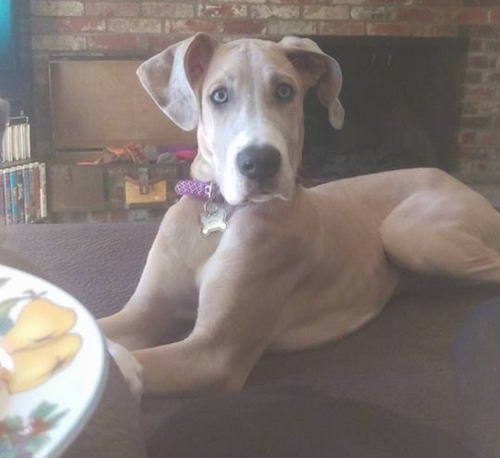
59,363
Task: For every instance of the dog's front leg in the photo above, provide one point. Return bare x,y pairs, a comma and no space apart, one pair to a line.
243,291
165,300
159,309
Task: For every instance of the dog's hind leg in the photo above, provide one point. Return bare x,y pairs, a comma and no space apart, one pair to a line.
447,250
444,252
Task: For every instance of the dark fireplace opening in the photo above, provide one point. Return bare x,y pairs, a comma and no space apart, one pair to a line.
402,101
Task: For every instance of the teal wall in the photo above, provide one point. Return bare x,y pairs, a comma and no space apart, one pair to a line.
5,33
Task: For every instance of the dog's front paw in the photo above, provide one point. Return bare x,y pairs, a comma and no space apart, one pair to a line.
130,368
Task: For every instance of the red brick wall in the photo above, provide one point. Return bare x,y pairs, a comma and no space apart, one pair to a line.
129,27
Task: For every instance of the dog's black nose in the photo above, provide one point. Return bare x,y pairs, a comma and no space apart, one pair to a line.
259,162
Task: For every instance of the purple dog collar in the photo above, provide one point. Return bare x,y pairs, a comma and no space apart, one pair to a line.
214,216
194,188
201,190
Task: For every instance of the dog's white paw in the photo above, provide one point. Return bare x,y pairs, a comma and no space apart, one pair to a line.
130,368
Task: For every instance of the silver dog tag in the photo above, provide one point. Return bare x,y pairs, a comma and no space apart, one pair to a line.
213,218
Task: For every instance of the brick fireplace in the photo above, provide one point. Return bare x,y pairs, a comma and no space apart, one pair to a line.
129,28
402,99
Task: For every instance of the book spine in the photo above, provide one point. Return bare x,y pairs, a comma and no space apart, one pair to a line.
2,199
43,190
20,142
27,139
36,186
26,193
7,197
13,195
10,155
15,142
20,195
8,144
31,178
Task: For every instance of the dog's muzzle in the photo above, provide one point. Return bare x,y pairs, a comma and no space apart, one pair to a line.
259,163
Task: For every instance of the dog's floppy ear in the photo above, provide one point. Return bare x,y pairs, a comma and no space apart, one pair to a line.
317,68
172,77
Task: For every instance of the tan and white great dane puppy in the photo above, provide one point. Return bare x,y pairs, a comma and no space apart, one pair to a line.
295,267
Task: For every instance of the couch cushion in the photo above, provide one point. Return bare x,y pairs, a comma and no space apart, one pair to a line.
400,361
295,423
98,263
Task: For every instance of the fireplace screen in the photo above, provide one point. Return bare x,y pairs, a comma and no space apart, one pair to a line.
402,101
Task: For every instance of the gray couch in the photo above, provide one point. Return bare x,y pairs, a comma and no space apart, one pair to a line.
394,371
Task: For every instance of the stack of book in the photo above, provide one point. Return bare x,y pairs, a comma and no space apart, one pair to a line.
16,140
23,197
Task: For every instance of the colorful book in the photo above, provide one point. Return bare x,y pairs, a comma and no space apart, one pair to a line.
13,195
2,199
7,196
43,190
31,192
23,195
26,193
36,187
21,216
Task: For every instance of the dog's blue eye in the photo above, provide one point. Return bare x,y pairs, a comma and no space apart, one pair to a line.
219,96
284,91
